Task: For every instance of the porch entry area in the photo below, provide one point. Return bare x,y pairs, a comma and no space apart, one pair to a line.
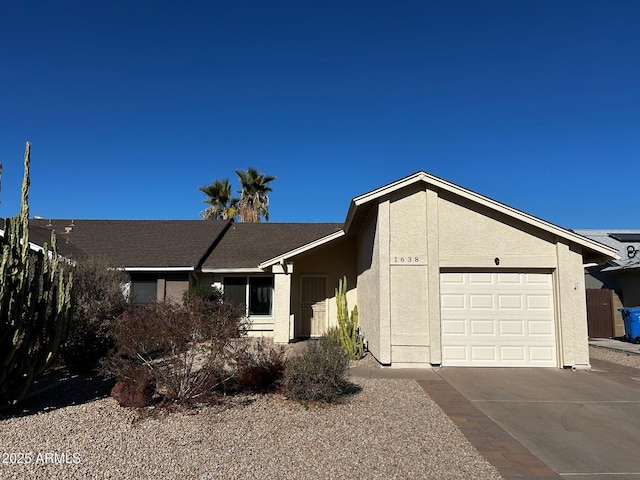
313,306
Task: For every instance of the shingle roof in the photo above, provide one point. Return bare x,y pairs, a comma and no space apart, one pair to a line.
137,243
178,243
246,245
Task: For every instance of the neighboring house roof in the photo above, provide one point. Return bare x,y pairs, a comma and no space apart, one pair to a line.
246,245
139,244
361,205
625,242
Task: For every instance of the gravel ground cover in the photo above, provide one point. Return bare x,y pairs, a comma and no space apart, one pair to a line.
621,358
391,429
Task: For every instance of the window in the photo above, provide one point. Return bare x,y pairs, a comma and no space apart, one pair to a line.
144,291
256,292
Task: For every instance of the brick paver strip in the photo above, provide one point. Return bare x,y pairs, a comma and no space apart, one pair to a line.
504,452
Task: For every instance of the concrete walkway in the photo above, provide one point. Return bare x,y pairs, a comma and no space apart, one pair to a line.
541,423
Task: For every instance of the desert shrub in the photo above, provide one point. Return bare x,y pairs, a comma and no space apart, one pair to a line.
260,366
98,297
318,374
186,350
333,334
206,293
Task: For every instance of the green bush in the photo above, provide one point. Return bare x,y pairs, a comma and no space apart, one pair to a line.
318,374
206,293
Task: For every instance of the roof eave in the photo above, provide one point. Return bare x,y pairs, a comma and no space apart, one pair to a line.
233,270
301,249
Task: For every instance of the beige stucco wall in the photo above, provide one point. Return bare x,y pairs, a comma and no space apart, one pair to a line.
368,282
408,277
399,301
473,236
333,260
571,307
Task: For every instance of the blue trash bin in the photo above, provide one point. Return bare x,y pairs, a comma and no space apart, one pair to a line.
631,318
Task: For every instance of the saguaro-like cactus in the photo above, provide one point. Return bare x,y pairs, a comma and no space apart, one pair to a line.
35,303
349,338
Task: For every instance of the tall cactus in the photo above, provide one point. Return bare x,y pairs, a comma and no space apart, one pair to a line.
35,303
348,335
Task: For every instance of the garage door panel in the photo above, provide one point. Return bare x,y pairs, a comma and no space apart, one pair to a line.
481,301
538,278
508,279
482,327
512,354
483,353
455,327
478,278
456,353
508,321
453,301
510,327
539,302
541,354
512,302
540,328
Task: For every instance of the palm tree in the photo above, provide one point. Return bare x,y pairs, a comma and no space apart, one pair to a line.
254,202
222,206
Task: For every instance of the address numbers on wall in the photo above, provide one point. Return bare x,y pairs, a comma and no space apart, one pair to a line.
407,260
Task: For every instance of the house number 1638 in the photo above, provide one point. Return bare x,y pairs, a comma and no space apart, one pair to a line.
406,259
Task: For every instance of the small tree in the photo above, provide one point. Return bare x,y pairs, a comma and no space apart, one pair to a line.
35,303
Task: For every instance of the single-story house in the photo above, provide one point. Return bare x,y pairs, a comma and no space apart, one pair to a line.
613,284
441,275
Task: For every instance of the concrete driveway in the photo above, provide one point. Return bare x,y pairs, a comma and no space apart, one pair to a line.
583,425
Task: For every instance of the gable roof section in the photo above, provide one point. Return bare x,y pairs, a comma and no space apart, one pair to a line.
361,205
138,244
248,245
591,250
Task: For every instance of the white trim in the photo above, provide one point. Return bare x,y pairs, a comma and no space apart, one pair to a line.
156,269
239,271
302,249
480,199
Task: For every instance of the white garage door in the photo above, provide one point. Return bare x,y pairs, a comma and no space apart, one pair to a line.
497,320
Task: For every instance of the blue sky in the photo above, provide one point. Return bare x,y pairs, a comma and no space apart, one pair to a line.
132,105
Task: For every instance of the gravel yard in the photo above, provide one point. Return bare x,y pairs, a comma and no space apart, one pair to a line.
621,358
391,429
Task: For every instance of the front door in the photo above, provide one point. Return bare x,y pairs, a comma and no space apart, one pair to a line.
313,306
